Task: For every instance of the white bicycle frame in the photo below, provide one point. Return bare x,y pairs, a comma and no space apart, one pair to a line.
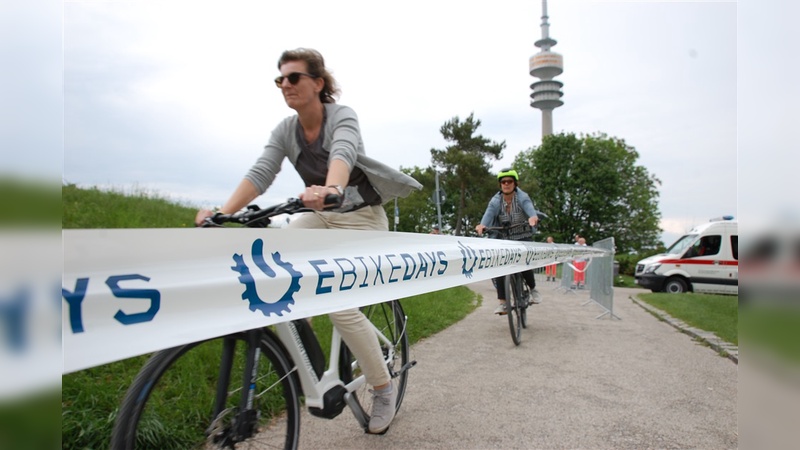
315,388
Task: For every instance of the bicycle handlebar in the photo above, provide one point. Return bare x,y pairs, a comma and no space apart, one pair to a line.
255,217
505,228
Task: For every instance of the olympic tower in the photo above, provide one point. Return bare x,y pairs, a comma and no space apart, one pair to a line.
546,65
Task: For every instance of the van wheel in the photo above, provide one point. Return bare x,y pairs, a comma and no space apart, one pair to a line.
675,286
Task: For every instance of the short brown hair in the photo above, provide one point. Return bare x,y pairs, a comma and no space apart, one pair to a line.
315,65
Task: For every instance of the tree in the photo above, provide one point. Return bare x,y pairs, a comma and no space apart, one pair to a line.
464,170
591,185
417,211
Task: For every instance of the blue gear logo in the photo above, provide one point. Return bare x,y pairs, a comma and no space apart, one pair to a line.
467,255
246,278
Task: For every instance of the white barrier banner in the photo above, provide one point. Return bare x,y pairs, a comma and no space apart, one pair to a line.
135,291
30,335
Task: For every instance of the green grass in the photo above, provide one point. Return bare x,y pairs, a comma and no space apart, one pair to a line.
30,422
28,203
90,398
94,208
626,281
718,314
773,327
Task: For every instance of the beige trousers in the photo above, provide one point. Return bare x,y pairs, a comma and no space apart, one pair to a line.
352,324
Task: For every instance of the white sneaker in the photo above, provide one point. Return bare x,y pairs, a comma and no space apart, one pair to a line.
501,309
536,298
383,409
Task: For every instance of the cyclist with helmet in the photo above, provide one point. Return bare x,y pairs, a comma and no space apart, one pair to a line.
512,205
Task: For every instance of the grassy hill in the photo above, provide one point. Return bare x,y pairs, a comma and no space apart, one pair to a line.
94,208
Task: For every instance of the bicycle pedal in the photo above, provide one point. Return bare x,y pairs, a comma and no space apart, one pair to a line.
407,366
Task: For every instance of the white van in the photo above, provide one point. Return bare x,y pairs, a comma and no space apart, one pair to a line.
704,260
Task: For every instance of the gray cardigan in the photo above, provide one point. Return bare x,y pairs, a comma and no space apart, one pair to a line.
342,139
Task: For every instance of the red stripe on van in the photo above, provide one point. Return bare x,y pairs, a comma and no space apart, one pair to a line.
700,262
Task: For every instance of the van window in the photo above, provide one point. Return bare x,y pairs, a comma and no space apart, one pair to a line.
735,246
705,246
680,245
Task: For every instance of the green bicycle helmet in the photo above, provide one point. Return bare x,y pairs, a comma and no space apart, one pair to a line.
508,173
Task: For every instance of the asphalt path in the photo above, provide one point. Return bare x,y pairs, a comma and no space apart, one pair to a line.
576,382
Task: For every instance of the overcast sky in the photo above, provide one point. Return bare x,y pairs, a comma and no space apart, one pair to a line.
177,98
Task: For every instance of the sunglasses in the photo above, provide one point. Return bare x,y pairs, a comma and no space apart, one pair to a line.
293,78
506,181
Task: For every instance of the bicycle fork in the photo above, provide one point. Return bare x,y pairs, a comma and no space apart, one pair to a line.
246,416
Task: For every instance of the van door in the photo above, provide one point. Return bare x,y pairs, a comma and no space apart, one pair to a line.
708,261
701,262
730,266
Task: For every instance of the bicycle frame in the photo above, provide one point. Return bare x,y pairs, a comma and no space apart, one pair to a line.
323,392
314,387
328,394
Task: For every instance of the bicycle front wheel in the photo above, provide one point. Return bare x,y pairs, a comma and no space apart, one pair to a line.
390,320
177,401
513,307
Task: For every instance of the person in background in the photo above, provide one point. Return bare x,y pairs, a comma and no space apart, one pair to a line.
550,270
323,142
435,230
511,204
580,266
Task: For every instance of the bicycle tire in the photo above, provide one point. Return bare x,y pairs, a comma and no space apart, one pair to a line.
165,409
512,307
525,295
391,320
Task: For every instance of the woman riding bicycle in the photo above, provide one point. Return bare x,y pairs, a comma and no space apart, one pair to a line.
514,206
323,142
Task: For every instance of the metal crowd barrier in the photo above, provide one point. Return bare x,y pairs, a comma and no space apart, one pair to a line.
600,278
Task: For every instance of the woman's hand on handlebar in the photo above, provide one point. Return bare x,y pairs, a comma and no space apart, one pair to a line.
480,228
201,216
533,220
314,197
